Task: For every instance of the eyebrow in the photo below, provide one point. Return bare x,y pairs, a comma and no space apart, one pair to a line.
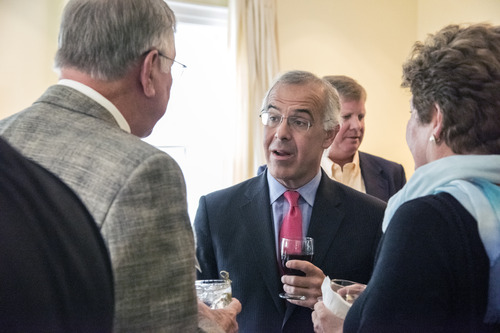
270,106
303,111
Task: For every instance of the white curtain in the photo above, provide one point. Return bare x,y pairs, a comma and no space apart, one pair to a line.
254,43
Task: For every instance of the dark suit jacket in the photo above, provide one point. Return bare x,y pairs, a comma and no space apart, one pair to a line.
382,177
55,271
234,230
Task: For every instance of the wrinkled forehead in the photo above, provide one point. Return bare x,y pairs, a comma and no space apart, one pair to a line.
296,98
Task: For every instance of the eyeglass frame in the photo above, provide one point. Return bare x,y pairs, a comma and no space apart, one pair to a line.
267,112
174,61
164,56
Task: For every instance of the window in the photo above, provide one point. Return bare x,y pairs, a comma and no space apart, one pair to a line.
198,128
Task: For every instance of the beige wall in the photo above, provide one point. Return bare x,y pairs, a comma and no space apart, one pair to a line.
28,41
433,15
367,40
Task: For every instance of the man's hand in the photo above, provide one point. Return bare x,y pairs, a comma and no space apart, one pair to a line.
309,285
219,320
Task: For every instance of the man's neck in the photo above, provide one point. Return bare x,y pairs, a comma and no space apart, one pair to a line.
341,160
119,92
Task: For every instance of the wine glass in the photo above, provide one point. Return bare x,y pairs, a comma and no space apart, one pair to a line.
295,249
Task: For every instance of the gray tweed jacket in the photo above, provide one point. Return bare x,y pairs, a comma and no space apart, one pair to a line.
136,194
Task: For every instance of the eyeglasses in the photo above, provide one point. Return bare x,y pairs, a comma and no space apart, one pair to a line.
177,68
274,119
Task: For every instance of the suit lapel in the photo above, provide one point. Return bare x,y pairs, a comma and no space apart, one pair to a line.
260,229
375,183
325,219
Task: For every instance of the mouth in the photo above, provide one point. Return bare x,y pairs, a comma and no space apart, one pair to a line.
353,137
281,154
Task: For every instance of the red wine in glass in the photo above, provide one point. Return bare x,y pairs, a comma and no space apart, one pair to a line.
288,256
293,249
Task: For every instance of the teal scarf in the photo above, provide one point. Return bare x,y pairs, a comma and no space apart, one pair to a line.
471,180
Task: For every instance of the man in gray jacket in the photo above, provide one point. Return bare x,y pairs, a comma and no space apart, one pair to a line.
115,59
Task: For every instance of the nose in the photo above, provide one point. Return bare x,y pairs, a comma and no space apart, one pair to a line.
282,131
357,123
354,123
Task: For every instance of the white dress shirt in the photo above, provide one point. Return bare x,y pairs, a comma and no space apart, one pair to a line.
91,93
350,175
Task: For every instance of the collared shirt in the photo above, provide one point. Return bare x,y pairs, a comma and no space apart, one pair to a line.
350,175
103,101
280,205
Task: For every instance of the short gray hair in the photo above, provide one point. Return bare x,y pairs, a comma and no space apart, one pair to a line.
331,103
105,38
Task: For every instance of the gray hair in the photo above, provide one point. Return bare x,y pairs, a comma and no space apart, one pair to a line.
105,38
331,102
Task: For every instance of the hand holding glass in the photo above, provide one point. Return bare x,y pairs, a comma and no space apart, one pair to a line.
214,293
350,290
295,249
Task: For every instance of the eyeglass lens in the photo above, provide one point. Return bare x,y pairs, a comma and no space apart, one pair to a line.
274,119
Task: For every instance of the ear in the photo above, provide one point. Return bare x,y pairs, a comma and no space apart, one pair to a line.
147,73
437,122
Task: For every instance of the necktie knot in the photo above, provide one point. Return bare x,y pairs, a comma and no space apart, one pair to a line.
292,197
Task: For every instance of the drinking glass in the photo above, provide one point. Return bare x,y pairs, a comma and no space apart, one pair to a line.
214,293
352,293
295,249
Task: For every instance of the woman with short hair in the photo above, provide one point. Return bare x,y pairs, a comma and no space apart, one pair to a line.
438,265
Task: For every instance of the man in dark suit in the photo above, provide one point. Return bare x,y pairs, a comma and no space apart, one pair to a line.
342,160
55,271
382,177
238,228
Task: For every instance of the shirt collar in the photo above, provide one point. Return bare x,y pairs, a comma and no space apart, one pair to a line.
355,159
307,192
103,101
327,163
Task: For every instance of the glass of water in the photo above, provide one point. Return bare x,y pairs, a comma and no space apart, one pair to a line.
214,293
350,290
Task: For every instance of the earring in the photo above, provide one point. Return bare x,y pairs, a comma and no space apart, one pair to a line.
432,138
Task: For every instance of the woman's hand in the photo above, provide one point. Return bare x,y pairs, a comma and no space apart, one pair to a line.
352,292
325,321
